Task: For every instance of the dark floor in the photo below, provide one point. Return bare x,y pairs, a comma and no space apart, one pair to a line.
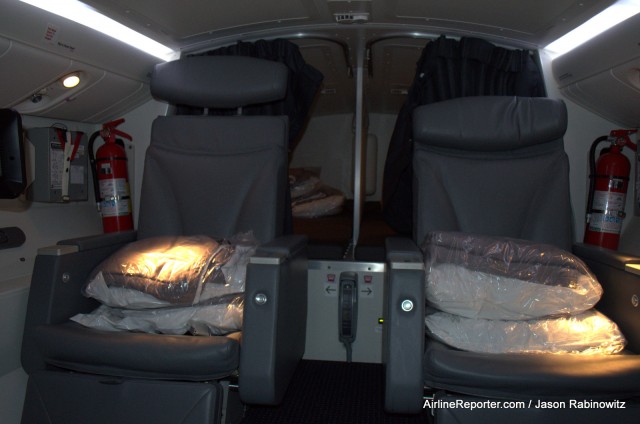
324,392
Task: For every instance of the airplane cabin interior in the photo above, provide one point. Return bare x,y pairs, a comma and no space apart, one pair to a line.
319,211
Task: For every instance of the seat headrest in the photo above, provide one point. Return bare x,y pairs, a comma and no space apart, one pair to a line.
490,123
219,81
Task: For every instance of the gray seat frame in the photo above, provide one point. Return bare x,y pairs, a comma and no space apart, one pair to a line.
414,364
241,186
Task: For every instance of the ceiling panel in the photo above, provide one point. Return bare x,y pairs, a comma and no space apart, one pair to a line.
399,29
534,22
35,87
114,92
34,70
525,17
520,21
181,20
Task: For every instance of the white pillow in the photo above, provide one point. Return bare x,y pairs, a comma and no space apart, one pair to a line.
476,294
502,278
122,297
203,320
588,332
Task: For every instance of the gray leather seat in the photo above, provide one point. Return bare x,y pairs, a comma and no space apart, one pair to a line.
494,166
210,175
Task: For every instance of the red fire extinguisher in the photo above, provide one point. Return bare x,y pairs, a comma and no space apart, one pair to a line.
609,180
111,179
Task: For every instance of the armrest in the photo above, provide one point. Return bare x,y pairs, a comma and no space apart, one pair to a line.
101,240
404,332
588,252
59,273
275,320
619,276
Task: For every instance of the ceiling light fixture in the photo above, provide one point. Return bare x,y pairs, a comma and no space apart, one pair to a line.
87,16
71,80
608,18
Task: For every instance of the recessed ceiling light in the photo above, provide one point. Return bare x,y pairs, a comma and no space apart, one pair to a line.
85,15
71,80
610,17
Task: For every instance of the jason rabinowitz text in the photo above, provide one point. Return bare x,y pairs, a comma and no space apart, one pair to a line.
537,404
581,404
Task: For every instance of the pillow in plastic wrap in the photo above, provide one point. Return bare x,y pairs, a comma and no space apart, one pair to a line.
221,317
165,271
310,198
325,201
503,278
303,181
589,332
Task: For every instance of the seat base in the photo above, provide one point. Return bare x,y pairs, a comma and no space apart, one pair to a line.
55,397
532,376
139,355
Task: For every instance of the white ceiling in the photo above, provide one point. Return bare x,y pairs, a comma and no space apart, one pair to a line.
395,32
183,22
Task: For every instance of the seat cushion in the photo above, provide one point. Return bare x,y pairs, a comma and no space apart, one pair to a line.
240,164
526,376
587,333
125,354
492,165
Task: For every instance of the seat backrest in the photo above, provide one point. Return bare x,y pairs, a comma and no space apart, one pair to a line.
216,175
492,165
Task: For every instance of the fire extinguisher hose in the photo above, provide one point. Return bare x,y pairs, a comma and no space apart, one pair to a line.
592,171
92,161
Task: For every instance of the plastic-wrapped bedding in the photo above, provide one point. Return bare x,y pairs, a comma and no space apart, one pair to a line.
588,332
172,285
219,318
171,270
502,278
303,182
503,295
310,198
325,201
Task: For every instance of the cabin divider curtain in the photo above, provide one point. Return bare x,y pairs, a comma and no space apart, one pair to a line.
447,69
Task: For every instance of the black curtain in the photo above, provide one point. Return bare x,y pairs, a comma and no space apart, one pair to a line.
302,86
447,69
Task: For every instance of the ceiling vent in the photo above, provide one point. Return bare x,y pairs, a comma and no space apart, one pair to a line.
351,17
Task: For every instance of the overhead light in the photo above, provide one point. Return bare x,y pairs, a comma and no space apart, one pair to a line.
610,17
87,16
71,80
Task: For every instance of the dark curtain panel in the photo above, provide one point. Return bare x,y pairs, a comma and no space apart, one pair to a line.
304,82
447,69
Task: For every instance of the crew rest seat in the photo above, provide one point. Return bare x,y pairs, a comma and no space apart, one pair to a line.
493,166
204,175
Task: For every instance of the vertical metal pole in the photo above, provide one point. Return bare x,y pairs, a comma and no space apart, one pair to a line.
358,154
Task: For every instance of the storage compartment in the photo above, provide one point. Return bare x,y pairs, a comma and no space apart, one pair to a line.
603,74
